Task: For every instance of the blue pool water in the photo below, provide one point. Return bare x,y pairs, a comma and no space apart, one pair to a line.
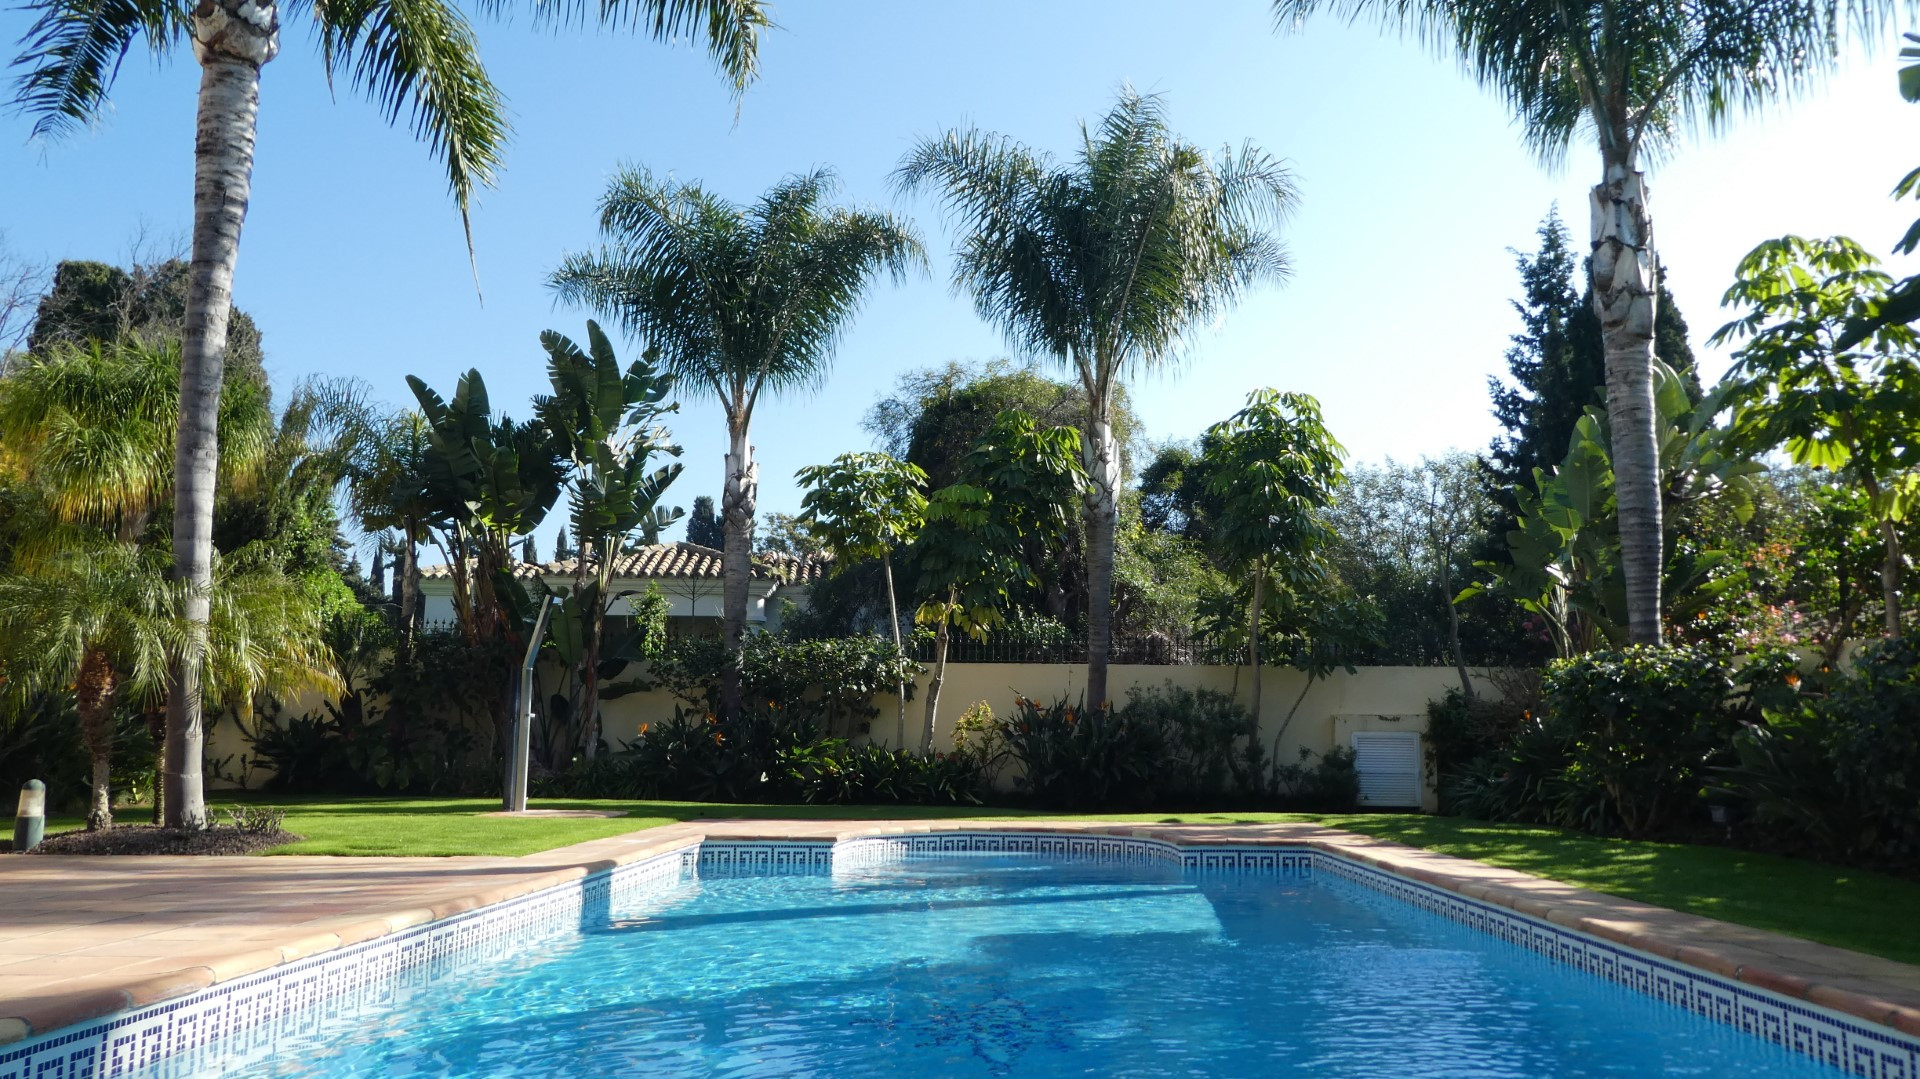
984,965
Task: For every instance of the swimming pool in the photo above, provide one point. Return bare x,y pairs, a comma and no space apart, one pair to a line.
876,959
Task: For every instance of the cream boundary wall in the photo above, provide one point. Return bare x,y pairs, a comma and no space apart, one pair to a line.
1371,698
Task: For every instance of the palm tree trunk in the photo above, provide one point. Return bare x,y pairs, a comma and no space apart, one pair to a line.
1623,274
1445,568
409,592
1253,649
893,620
232,39
93,700
736,524
940,638
1102,499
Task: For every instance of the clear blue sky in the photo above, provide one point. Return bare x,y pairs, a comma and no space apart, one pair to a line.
1415,185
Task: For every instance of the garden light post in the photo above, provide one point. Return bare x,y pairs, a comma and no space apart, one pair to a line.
30,820
516,800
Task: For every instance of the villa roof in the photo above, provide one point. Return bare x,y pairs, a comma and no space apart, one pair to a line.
674,562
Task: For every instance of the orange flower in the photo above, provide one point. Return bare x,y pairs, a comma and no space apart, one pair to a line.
1793,679
712,719
644,727
719,739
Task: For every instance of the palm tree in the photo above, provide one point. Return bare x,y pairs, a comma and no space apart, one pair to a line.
90,429
1103,265
417,56
1636,72
741,302
94,618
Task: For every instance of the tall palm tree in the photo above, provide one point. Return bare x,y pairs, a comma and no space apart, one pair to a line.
417,56
1636,73
740,301
1103,264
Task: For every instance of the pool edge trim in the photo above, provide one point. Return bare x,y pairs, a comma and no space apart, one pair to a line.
1547,903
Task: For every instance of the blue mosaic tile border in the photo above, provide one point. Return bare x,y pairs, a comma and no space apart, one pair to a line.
1121,850
1842,1041
248,1016
753,858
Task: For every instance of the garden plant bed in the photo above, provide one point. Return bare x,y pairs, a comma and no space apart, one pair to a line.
222,839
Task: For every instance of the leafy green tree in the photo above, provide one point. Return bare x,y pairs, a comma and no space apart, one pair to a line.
96,301
787,535
1173,492
863,506
1852,409
1275,468
606,423
1406,533
420,57
1017,482
740,301
1634,73
1102,265
1556,364
935,415
703,525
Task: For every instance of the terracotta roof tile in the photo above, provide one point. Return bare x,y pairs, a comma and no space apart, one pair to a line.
672,561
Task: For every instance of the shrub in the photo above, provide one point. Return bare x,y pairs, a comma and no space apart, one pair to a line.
830,680
1083,760
1840,771
1331,786
834,771
1463,734
1200,733
1642,725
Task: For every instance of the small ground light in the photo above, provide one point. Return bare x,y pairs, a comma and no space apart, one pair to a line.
30,820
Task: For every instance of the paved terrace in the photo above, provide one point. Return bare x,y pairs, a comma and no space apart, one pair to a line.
83,937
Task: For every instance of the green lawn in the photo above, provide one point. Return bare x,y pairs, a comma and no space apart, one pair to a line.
1868,912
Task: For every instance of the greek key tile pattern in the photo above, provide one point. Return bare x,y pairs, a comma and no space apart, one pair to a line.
745,858
249,1017
885,850
1842,1041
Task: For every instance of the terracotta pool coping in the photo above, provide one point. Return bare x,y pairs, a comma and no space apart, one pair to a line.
86,937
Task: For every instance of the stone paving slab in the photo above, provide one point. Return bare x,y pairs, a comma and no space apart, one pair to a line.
83,937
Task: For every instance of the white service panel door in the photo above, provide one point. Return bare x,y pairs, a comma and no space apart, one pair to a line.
1389,767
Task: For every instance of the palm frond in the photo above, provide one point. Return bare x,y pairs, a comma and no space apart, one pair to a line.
420,57
71,55
1638,73
739,300
730,29
1105,262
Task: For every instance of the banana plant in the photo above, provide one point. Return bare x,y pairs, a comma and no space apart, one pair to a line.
605,422
490,480
1564,562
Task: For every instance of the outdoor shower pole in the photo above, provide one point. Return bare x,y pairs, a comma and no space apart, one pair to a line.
516,800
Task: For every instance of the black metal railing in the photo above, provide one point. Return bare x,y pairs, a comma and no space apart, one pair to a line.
1157,649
